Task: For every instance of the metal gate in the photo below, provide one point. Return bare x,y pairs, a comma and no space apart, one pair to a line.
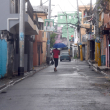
3,57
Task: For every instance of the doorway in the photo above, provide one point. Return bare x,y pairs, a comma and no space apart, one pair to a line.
92,50
38,54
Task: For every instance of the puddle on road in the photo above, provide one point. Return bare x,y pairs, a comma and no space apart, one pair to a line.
76,73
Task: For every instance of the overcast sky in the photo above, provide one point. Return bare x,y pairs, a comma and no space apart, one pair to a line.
62,5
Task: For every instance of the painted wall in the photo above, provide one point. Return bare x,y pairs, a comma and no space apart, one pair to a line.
71,18
105,38
59,38
59,35
37,49
3,57
44,37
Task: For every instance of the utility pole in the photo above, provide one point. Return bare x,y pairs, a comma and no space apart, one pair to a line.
97,34
48,35
21,38
79,35
68,36
40,2
91,14
90,31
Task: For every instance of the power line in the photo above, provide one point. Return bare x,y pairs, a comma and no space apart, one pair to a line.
61,9
45,2
71,4
83,4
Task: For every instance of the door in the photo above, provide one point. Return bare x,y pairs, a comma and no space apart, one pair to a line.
38,54
92,50
83,51
3,57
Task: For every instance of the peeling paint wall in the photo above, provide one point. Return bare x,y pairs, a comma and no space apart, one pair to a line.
10,60
6,54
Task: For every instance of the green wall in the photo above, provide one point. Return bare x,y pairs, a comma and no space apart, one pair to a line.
71,18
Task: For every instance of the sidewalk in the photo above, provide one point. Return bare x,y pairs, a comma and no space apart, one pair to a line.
6,82
101,69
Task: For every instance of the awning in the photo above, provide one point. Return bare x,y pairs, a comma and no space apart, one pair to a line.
40,20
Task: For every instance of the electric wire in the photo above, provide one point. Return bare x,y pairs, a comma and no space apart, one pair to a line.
71,4
45,2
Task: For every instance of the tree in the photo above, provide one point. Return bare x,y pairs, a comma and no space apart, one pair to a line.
52,39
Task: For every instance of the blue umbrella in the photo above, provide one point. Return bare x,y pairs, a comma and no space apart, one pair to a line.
59,45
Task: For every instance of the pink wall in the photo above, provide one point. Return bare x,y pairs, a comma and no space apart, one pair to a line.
108,53
59,38
107,27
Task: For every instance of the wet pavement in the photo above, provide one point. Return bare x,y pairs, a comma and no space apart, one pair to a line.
74,86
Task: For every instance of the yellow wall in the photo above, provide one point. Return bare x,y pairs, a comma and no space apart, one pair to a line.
44,39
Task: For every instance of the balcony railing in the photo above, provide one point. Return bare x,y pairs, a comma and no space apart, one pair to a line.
29,10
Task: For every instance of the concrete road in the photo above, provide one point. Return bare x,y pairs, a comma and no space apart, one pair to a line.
73,87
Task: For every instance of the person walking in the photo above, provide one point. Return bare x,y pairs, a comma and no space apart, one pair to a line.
56,54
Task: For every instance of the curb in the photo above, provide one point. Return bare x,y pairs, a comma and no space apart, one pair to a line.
11,83
95,69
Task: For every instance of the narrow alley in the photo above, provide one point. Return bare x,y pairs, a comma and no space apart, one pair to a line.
74,86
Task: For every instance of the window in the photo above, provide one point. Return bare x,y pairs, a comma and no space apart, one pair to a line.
61,25
41,26
14,6
61,17
69,17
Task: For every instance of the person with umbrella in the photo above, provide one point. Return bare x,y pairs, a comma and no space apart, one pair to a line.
56,53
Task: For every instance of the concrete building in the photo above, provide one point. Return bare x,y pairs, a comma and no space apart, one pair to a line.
37,50
9,37
87,40
105,39
71,21
41,12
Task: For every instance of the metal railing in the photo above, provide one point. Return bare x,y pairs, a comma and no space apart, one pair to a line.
29,10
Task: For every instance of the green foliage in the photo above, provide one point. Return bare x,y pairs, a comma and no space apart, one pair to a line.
75,57
52,39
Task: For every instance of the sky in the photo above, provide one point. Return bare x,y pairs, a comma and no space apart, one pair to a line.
62,5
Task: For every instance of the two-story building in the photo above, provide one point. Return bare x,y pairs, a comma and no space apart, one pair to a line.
40,44
67,20
9,36
87,38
